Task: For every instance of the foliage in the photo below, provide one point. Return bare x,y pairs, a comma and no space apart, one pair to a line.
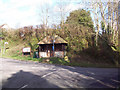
57,60
78,31
108,44
81,17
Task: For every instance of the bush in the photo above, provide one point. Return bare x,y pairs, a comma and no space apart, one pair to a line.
57,60
40,59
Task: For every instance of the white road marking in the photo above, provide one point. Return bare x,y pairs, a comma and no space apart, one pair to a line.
47,74
105,84
23,87
115,81
50,73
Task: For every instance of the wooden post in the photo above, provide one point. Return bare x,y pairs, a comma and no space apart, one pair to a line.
1,48
47,50
62,50
4,49
30,52
39,51
53,46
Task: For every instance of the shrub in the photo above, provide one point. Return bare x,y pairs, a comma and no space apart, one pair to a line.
57,60
40,59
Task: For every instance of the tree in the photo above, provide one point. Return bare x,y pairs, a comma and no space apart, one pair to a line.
107,41
81,17
44,15
62,9
107,14
79,29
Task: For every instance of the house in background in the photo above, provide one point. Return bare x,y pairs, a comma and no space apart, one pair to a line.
52,46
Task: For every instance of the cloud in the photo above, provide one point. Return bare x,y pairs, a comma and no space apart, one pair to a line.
69,7
72,7
27,12
20,11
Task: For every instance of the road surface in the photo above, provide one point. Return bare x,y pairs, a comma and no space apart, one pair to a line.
29,74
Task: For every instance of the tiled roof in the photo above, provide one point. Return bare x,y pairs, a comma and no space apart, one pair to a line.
49,40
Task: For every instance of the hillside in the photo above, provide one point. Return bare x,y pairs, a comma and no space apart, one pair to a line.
85,45
82,58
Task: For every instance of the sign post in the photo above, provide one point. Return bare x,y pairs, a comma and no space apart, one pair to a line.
4,47
53,47
26,51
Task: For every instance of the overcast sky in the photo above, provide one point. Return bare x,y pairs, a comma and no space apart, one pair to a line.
19,13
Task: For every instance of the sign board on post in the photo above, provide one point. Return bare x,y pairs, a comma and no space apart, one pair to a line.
4,47
26,51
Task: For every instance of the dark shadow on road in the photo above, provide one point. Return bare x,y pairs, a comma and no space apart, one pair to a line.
100,80
23,79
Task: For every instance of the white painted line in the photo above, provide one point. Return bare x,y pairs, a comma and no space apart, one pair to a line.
47,74
23,87
105,84
115,80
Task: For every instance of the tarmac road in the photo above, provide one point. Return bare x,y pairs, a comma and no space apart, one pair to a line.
29,74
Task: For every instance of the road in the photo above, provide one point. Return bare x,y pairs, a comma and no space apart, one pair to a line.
29,74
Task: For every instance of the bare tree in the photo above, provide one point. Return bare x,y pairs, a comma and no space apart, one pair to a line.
44,16
62,9
106,12
95,11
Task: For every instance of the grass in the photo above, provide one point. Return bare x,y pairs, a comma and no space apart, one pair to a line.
60,61
28,58
57,60
84,64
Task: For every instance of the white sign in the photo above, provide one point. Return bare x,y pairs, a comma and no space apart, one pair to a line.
26,49
58,53
6,42
43,54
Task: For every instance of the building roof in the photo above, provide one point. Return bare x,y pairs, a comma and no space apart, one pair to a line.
49,40
5,26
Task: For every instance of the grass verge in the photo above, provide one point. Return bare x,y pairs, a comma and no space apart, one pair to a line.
60,61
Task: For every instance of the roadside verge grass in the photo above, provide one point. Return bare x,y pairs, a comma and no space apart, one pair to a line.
60,61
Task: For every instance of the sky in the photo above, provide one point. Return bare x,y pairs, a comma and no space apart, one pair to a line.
20,13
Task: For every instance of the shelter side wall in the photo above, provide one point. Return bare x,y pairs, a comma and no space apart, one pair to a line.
59,54
43,54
